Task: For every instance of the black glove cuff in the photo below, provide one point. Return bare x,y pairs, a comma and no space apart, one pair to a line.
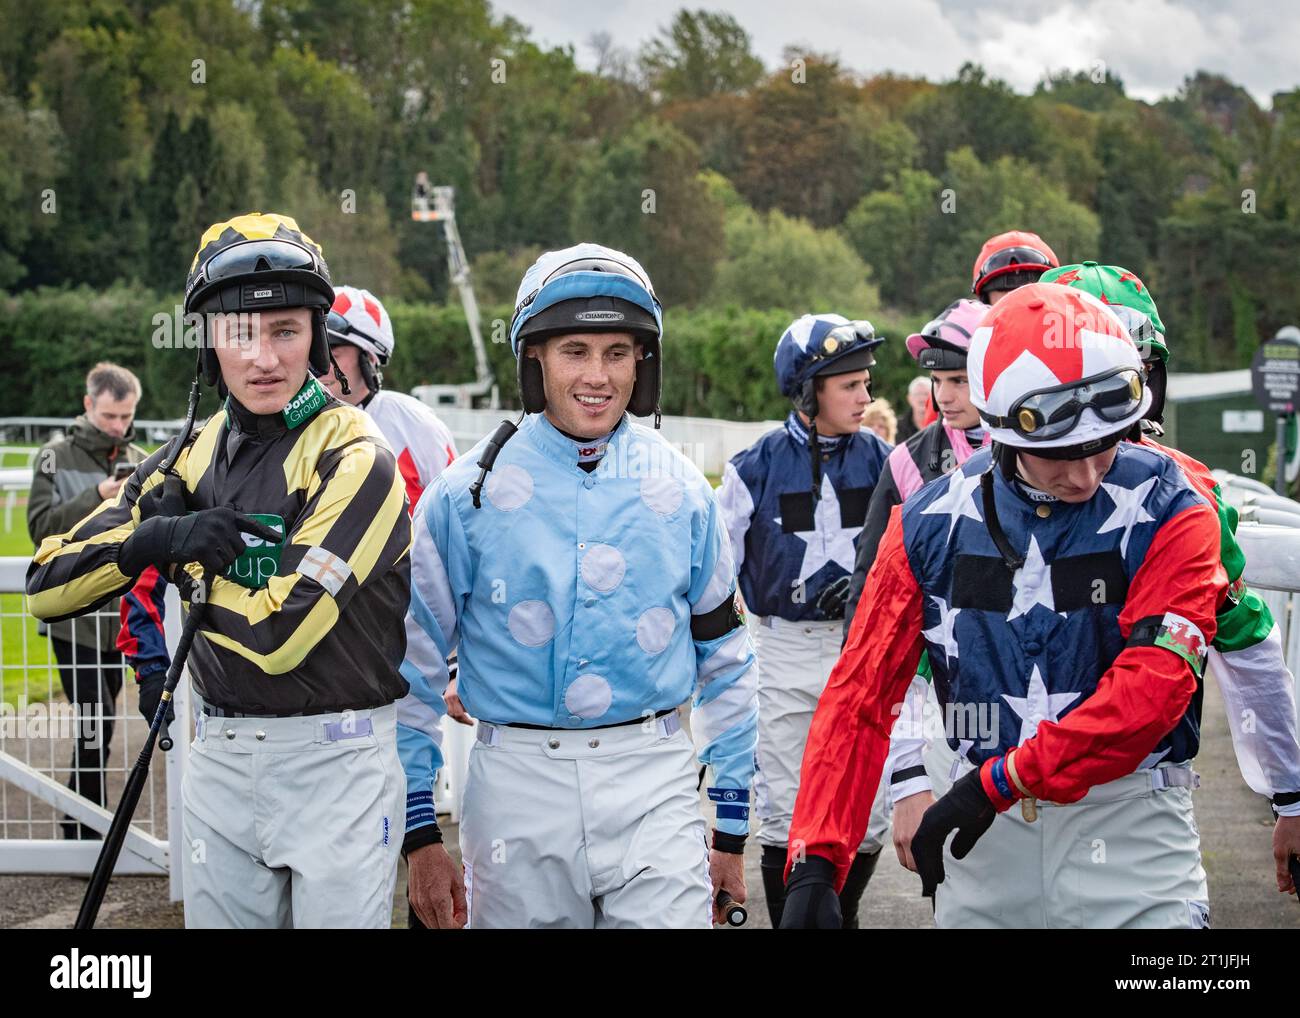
147,546
732,844
155,679
815,869
429,834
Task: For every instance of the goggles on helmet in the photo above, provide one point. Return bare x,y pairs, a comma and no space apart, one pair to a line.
258,256
1052,413
340,328
1010,257
844,337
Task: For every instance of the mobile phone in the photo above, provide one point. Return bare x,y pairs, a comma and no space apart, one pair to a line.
123,470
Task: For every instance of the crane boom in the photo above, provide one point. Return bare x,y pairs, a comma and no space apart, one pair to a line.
438,205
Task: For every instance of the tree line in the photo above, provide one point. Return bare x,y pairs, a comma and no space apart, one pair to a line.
131,126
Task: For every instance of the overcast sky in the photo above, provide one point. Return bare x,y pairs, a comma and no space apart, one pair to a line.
1151,44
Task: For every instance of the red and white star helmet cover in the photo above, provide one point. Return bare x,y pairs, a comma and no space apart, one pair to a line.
1038,337
371,329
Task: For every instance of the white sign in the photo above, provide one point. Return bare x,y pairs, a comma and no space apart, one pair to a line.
1243,421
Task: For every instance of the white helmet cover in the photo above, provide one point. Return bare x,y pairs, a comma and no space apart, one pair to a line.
368,326
1040,337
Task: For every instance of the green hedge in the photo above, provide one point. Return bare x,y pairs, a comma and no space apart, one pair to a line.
719,361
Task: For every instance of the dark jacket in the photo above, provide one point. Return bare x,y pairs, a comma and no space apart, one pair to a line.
66,473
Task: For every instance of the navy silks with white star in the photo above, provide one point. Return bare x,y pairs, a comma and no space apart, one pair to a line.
1029,646
795,544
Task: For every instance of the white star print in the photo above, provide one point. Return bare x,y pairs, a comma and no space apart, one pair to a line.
943,632
957,501
1038,705
828,541
1032,583
1128,509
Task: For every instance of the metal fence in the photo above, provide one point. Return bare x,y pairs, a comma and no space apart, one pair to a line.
38,729
43,813
40,429
1273,569
705,441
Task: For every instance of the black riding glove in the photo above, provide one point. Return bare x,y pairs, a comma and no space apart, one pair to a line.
151,688
211,537
967,810
810,899
830,602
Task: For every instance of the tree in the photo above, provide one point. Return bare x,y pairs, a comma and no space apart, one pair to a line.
86,79
1136,190
922,235
645,195
700,54
895,231
1082,90
31,165
774,261
976,112
810,147
360,246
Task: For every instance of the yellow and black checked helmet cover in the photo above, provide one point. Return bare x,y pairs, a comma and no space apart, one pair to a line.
259,261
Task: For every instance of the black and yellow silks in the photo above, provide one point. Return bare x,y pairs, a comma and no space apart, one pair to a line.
320,635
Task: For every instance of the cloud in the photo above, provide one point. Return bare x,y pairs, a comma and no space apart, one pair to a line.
1152,45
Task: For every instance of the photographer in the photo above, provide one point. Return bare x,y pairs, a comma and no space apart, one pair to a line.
73,475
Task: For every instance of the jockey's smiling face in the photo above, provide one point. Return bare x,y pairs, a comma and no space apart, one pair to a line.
588,378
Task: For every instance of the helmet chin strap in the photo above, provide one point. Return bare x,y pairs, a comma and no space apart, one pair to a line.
338,373
371,374
815,446
1004,459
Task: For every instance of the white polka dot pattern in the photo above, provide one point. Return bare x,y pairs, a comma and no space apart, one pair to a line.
589,697
654,629
662,494
509,487
531,623
603,567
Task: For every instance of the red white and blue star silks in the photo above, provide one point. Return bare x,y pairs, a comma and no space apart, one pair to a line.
1080,659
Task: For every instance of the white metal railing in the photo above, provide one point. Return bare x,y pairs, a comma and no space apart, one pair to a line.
1273,570
15,477
36,746
38,731
33,429
705,441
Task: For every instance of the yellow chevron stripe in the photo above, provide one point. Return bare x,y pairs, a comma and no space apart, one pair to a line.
77,593
198,456
291,653
328,430
253,605
376,537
